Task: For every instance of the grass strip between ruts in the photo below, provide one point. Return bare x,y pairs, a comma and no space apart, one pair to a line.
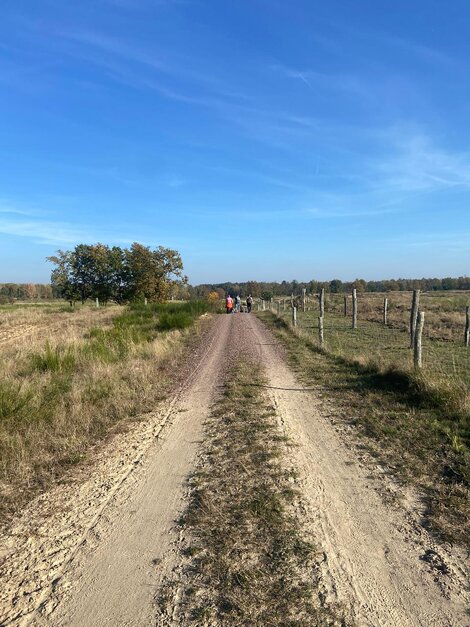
246,558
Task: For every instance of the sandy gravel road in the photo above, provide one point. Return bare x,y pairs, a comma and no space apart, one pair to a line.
114,582
94,552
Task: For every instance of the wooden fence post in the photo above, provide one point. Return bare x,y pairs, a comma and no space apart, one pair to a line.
418,344
264,305
145,301
292,300
414,317
322,302
354,309
321,337
304,291
345,306
257,302
467,326
97,303
385,311
294,316
278,308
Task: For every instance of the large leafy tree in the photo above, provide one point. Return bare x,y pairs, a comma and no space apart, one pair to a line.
152,273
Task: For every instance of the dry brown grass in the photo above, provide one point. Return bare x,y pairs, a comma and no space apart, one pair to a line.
25,328
64,385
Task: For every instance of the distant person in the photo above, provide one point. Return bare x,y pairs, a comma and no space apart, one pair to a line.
249,303
229,304
238,303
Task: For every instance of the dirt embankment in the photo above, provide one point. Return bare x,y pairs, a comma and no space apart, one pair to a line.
94,551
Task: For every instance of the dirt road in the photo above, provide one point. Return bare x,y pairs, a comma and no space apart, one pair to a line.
93,552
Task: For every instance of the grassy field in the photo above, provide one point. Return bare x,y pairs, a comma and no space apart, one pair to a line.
443,361
446,360
67,377
22,326
416,424
445,311
444,378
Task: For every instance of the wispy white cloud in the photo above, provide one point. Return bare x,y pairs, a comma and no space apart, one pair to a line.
327,85
413,162
117,47
37,226
6,209
259,175
449,242
420,51
121,56
45,232
337,212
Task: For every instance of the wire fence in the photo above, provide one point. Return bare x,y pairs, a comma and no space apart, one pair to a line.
443,350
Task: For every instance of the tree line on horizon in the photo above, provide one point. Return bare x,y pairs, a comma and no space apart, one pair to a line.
274,288
121,274
9,292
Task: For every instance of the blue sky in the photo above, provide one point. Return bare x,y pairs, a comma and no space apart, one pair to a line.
263,139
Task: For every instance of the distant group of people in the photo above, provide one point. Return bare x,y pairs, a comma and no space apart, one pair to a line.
235,305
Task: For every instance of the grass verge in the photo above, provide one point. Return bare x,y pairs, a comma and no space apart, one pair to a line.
247,560
416,431
58,400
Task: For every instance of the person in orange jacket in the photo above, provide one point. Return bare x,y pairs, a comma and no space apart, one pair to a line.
229,304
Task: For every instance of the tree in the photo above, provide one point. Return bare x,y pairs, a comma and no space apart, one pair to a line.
359,285
336,286
253,288
62,279
266,295
151,274
98,271
95,270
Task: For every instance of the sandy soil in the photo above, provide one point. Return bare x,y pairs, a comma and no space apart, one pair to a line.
93,551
